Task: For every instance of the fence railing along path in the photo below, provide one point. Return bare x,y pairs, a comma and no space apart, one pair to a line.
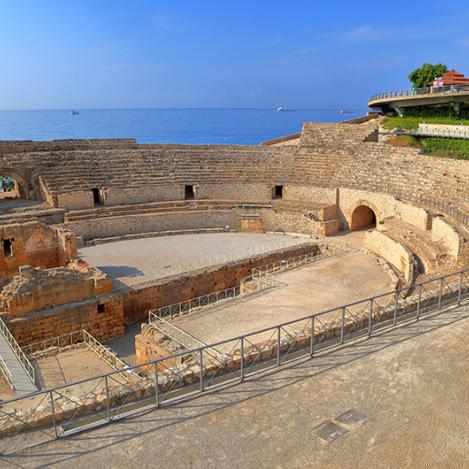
55,413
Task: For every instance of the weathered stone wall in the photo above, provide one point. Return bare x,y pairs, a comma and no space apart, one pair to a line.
34,244
451,238
394,252
154,222
36,289
143,298
104,323
384,206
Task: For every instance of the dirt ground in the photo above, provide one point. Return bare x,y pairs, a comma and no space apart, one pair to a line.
141,260
397,400
309,289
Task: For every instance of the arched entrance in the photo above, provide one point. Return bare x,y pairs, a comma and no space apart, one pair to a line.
13,185
362,217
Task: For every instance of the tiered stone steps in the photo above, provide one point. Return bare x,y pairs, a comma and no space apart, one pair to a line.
160,207
429,252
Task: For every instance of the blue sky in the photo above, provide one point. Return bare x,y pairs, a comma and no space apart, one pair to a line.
243,53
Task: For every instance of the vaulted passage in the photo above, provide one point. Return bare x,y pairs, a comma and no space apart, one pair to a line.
9,188
363,217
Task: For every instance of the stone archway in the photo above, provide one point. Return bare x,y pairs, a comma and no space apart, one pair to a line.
22,188
363,217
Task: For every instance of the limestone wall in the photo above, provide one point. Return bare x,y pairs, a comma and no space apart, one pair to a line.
143,298
154,222
104,323
451,238
394,252
384,206
34,244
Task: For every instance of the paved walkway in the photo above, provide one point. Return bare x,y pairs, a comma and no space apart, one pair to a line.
397,400
20,379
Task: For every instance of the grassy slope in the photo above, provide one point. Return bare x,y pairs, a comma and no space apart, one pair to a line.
442,147
412,122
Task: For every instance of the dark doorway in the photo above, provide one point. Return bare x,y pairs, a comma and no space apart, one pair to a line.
8,247
278,192
96,196
189,192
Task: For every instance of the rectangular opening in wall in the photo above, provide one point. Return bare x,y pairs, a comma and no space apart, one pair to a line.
96,196
189,192
7,247
278,192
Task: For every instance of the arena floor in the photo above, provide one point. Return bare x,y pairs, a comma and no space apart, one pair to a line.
141,260
325,284
409,386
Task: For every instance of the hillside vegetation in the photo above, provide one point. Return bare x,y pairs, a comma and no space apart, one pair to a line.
441,147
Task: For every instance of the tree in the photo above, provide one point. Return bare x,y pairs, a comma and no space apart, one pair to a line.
423,76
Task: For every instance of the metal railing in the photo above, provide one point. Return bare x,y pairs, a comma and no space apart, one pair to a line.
23,359
429,90
6,373
242,356
185,307
57,344
431,132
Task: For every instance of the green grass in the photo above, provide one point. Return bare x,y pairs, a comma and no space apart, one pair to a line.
445,147
439,147
412,122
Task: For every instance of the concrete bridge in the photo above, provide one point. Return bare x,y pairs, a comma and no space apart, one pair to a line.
399,100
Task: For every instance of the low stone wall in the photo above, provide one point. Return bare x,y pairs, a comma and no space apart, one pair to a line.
394,253
133,224
34,244
451,238
102,317
140,299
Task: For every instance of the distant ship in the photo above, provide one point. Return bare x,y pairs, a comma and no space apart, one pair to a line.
75,113
346,111
281,109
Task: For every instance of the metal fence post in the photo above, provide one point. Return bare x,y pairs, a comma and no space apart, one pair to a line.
108,403
370,315
461,277
279,359
343,326
157,390
312,336
201,361
441,293
394,320
241,365
419,301
54,420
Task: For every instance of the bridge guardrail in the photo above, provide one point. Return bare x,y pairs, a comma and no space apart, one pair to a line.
429,90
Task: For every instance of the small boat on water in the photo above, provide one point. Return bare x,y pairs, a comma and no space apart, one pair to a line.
282,109
346,111
75,113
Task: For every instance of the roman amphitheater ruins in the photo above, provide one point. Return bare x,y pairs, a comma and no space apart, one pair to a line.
133,274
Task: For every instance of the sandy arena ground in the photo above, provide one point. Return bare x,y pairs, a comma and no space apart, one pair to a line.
309,289
141,260
69,366
408,390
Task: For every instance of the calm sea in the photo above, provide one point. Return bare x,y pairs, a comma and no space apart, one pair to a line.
242,126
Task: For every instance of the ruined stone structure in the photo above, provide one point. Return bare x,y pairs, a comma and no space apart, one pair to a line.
329,178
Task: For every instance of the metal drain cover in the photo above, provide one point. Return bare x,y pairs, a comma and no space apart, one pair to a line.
329,431
352,418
